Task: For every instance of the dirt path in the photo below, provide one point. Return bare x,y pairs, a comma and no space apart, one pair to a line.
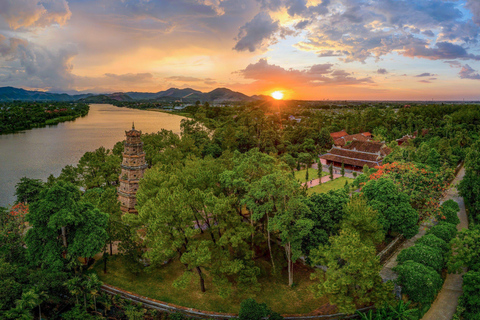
444,306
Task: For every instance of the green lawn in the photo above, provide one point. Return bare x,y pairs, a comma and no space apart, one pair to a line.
157,284
330,185
312,174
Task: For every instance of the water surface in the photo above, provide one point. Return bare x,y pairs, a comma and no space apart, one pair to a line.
39,152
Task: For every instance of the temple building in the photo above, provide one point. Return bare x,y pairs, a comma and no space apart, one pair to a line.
355,155
133,168
341,138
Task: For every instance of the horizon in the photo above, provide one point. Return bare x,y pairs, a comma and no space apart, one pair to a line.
310,50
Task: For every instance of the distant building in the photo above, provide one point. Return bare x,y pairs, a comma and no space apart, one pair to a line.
133,168
342,141
339,134
356,155
404,139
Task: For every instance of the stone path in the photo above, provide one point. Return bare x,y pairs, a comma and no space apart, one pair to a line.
316,182
444,306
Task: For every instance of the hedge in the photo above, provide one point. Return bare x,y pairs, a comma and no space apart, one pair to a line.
443,230
433,241
419,282
428,256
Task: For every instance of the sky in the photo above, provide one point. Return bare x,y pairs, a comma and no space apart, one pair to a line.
308,49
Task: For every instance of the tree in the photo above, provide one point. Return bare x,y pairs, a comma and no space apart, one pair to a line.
178,204
470,299
293,225
320,171
397,215
352,277
63,227
326,211
330,170
342,171
434,159
28,190
467,249
252,310
361,218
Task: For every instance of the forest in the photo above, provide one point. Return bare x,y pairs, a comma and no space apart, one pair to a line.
221,206
18,116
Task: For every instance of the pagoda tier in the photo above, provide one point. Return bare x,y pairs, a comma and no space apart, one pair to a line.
133,168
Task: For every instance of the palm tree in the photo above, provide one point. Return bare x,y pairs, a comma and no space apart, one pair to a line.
74,287
402,312
93,287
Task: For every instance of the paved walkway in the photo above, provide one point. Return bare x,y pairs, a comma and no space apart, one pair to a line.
316,182
444,306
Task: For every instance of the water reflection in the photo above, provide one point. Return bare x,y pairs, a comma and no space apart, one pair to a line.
39,152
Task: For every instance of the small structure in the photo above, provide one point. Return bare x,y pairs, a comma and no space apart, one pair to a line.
356,155
404,139
133,168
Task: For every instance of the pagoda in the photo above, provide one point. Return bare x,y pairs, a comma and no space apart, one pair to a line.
133,168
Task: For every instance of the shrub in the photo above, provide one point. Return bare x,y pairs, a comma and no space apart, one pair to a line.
470,300
419,282
176,316
443,230
433,241
252,310
448,212
428,256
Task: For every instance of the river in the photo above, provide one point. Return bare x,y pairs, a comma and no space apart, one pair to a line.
39,152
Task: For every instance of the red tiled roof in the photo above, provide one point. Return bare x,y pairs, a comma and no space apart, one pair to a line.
367,134
359,153
343,140
339,134
369,147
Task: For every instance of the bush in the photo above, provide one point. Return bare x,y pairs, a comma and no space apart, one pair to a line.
445,231
176,316
419,282
428,256
470,300
252,310
448,212
433,241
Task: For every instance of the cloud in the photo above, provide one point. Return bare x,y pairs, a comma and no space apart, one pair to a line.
474,6
258,31
356,30
424,81
130,77
316,75
34,13
184,79
382,71
443,50
425,74
468,72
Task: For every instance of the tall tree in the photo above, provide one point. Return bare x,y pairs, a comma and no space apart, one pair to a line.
63,226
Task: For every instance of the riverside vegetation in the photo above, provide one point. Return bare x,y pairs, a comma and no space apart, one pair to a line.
17,116
221,208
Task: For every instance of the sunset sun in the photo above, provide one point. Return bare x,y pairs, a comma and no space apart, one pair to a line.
277,95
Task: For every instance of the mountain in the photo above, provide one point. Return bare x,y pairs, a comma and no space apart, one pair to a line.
11,93
173,94
224,94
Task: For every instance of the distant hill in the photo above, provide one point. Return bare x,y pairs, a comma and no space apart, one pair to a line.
173,94
11,94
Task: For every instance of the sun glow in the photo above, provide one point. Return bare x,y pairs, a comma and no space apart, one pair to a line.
278,95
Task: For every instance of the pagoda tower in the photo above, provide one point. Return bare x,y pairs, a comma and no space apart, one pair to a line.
133,168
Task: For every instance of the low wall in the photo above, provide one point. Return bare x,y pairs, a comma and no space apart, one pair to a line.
199,314
385,254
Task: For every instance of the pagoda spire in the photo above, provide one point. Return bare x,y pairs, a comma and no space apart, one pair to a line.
133,125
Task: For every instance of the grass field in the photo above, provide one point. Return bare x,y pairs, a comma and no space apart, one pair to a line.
330,185
157,284
312,174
